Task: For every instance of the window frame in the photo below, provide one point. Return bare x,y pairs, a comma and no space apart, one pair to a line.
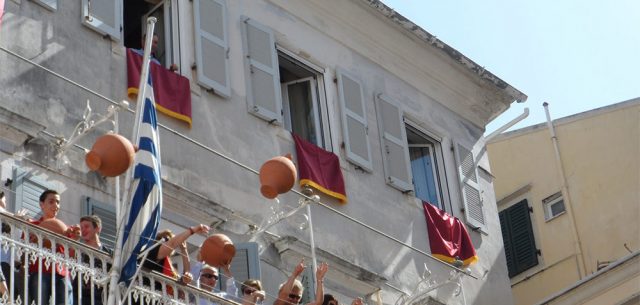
321,111
439,167
114,32
173,43
286,107
548,202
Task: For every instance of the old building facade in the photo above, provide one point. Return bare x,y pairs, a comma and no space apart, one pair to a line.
403,111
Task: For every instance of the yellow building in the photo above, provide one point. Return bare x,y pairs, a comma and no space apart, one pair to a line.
570,207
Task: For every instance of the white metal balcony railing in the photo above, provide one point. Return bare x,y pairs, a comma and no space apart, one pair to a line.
87,268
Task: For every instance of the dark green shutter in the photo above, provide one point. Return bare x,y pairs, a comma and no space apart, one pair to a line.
519,243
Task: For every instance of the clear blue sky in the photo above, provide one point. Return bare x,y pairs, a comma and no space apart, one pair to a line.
575,55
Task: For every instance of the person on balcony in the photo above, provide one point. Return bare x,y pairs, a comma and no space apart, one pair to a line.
290,292
90,228
49,208
252,293
158,257
208,278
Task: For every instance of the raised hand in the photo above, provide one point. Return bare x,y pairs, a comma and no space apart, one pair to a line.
299,268
321,271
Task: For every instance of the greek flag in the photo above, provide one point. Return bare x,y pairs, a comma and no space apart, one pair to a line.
145,194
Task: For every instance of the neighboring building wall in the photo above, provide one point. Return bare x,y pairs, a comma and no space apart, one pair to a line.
443,99
599,150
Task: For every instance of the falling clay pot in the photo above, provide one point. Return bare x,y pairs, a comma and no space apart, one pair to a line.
217,250
277,176
111,155
54,225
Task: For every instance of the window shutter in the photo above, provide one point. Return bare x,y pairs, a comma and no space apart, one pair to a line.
471,196
519,242
245,264
393,137
107,214
28,189
264,96
103,16
49,4
212,45
354,121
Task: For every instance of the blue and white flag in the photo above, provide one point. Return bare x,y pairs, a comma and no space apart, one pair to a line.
145,193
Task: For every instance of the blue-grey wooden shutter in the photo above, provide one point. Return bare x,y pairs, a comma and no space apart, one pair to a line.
393,140
28,189
519,242
264,96
107,214
103,16
471,195
245,265
354,121
212,45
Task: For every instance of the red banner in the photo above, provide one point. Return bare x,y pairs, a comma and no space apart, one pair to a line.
171,90
1,12
320,169
448,237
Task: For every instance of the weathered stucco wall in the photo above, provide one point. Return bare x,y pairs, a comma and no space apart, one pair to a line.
599,152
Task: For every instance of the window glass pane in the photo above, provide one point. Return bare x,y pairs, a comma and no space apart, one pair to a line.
557,208
424,179
301,111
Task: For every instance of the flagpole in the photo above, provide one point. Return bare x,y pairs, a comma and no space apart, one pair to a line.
144,78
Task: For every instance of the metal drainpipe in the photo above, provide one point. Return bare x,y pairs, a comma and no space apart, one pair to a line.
581,266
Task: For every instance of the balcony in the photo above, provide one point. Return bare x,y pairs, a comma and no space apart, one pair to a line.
87,267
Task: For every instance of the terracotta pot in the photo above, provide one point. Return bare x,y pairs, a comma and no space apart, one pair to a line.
54,225
277,176
218,250
111,155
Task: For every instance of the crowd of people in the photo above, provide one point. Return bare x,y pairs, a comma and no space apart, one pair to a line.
197,273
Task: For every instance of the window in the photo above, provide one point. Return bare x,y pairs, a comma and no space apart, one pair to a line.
300,106
103,16
412,157
282,88
517,234
423,154
135,24
553,206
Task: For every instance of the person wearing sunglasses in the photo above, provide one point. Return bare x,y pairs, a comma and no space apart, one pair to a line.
208,279
252,293
290,292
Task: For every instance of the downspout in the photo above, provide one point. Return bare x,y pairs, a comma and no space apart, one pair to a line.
580,264
504,127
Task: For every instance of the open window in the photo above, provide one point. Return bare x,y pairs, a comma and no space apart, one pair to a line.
412,156
425,156
282,88
300,103
136,13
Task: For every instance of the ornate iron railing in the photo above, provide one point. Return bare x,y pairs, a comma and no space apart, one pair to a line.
27,262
